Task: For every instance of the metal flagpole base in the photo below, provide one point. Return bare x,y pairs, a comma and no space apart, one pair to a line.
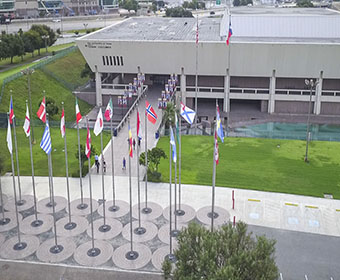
111,229
9,222
85,255
171,258
221,216
4,221
25,203
164,233
53,253
82,206
93,252
213,215
132,255
159,256
175,233
15,250
114,210
139,230
82,209
37,223
146,232
45,206
104,228
31,225
77,226
185,215
146,210
179,212
56,249
70,226
20,246
152,214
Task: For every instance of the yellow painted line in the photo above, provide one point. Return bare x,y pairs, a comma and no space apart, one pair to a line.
291,204
313,207
254,200
337,210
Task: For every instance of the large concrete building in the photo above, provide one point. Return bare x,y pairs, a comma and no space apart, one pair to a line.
272,52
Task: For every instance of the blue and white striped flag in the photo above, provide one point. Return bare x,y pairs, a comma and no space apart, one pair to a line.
46,143
173,144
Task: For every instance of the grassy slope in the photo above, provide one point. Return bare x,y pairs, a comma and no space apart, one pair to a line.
260,165
40,158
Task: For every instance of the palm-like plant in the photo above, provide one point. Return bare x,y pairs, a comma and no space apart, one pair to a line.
169,115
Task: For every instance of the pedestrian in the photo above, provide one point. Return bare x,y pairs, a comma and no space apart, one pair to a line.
134,144
96,162
124,163
97,165
104,165
139,142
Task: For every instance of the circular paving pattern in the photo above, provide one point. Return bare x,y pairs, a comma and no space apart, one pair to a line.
44,206
189,213
159,256
82,257
204,213
27,201
120,260
164,236
121,207
45,252
10,221
150,233
114,228
44,223
77,210
154,214
8,251
4,199
78,225
2,239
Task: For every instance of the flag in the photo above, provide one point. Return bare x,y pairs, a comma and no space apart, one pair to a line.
150,112
62,124
230,32
42,111
216,149
177,127
78,115
9,137
139,130
109,111
98,126
173,144
130,142
46,143
219,127
187,113
88,143
27,123
11,112
197,31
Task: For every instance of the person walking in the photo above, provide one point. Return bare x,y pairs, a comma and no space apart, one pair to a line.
124,163
96,161
134,144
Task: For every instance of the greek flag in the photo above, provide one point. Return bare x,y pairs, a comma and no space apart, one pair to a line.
173,144
46,143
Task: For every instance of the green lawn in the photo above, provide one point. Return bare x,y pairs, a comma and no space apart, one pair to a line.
260,164
39,82
40,158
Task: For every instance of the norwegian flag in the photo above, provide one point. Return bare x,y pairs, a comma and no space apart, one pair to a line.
150,112
88,143
42,111
62,124
27,123
216,149
11,112
139,130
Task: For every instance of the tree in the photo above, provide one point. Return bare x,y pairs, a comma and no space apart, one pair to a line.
47,35
154,158
227,253
129,4
87,72
32,41
84,160
304,4
177,12
169,115
51,106
236,3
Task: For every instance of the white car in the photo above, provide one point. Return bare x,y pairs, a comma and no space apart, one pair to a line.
56,20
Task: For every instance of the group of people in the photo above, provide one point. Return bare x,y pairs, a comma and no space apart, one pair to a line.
97,163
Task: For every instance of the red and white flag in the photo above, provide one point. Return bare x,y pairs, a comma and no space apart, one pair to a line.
98,126
216,149
62,124
27,123
150,112
78,115
42,111
109,110
88,143
139,130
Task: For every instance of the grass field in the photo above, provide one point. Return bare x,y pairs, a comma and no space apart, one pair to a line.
39,82
40,158
260,164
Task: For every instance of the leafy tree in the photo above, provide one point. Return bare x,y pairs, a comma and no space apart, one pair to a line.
169,115
227,253
304,4
84,160
177,12
236,3
46,34
32,41
154,158
128,4
13,44
87,72
51,106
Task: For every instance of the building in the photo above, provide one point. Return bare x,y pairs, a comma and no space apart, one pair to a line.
272,52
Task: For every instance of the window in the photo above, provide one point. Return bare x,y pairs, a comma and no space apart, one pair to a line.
118,61
103,60
121,61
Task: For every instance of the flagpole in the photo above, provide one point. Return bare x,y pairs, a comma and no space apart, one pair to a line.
146,210
180,212
69,225
113,208
228,74
82,205
36,222
213,181
196,76
175,232
20,245
104,227
170,200
140,229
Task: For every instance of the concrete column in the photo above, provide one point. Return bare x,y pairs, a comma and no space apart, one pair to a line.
99,101
272,87
318,92
226,100
183,86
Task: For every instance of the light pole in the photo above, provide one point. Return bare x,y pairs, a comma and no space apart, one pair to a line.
85,25
45,38
29,72
311,84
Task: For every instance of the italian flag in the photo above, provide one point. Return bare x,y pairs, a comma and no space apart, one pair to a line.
78,115
109,111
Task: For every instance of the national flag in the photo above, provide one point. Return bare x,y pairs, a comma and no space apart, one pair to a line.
27,123
9,137
216,156
78,115
109,111
42,111
219,127
139,130
130,142
150,112
62,124
46,143
98,126
187,113
230,32
88,143
11,112
197,31
173,144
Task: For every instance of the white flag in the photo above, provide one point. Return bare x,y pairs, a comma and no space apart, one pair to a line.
9,138
62,124
98,126
187,113
27,123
